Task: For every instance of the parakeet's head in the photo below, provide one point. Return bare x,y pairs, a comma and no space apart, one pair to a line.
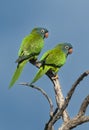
42,31
67,48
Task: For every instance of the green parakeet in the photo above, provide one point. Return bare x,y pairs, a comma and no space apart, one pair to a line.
30,48
53,59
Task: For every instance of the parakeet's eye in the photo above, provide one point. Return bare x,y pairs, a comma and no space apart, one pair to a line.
66,47
42,30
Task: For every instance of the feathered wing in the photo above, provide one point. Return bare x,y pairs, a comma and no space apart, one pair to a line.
40,73
17,73
25,40
43,69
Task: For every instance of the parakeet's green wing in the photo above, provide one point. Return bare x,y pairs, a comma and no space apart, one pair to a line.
23,44
42,69
31,44
17,73
54,57
45,55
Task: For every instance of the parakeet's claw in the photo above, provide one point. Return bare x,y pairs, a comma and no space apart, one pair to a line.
39,62
55,77
33,61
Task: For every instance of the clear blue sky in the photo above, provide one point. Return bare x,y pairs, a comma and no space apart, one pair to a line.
22,108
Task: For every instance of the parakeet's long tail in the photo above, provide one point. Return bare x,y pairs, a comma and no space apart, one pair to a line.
40,73
17,73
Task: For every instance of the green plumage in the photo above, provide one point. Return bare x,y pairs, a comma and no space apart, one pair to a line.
53,60
17,73
30,48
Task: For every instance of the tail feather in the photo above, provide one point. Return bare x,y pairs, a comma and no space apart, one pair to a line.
40,73
17,73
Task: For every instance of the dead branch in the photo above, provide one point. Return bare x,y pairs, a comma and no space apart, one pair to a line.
74,122
84,106
44,93
57,115
79,119
60,99
71,91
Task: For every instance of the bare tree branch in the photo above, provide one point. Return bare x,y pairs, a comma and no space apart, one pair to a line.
57,114
74,122
44,93
70,93
84,106
60,98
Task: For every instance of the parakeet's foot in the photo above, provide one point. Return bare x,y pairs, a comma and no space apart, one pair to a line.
33,60
55,77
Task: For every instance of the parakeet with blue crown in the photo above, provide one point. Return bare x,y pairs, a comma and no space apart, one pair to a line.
53,60
30,48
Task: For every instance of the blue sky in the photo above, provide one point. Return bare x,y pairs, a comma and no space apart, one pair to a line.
22,108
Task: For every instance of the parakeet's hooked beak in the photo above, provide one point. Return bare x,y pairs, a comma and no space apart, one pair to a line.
70,51
46,34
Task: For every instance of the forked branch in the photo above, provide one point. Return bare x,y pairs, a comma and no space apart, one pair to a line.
58,114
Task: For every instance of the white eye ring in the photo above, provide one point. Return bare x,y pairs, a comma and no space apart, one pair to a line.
66,47
42,31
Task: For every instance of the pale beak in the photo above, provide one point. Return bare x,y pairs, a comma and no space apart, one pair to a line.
70,51
46,35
